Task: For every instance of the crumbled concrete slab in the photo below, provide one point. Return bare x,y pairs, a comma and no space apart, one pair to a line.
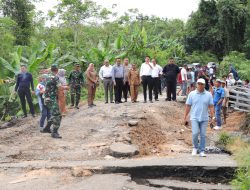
123,150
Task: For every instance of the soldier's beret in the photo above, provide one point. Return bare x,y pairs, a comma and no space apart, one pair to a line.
54,66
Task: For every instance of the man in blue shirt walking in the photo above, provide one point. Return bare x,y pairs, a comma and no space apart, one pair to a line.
199,102
219,95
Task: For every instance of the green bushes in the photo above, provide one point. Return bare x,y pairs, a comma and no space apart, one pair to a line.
201,57
9,104
224,140
239,61
241,152
242,177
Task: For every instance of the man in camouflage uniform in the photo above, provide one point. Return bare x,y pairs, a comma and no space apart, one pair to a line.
51,101
76,82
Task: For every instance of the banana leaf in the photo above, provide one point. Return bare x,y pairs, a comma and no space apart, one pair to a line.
118,43
7,66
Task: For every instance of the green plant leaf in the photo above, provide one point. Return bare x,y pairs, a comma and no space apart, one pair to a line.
7,65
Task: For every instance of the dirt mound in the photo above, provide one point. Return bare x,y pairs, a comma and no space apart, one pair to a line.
235,121
148,139
162,132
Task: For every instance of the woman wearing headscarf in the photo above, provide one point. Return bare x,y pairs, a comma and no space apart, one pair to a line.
92,82
62,92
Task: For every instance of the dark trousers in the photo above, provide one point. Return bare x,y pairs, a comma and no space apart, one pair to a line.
147,83
45,114
125,90
118,89
155,82
75,91
26,93
171,90
159,86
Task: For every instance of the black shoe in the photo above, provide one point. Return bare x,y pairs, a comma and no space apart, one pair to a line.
77,107
90,106
145,101
33,115
116,102
126,100
167,99
45,130
56,136
151,101
156,100
112,102
93,105
24,116
120,102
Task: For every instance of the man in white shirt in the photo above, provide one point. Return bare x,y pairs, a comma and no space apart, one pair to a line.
211,72
184,80
145,74
156,72
105,74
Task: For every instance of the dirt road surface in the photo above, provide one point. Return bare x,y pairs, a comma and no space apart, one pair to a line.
87,135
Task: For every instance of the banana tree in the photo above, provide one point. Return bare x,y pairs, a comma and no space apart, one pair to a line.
136,43
41,56
105,50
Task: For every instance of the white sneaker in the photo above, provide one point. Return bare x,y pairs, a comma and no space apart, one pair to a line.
194,151
217,128
202,154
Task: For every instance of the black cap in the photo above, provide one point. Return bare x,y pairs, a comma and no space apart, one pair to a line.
54,66
76,64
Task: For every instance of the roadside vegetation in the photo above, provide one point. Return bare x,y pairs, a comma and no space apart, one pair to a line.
240,149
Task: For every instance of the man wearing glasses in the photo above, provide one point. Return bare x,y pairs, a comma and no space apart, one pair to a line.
198,103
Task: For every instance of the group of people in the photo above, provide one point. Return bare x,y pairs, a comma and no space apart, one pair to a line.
51,92
125,79
210,97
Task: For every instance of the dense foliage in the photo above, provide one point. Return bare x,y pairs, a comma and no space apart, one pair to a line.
85,32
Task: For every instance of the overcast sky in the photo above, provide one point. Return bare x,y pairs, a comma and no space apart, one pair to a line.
163,8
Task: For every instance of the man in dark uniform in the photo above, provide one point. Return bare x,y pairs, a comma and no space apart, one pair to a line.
24,81
171,71
76,82
51,101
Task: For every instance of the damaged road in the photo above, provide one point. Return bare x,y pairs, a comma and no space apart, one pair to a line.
97,140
